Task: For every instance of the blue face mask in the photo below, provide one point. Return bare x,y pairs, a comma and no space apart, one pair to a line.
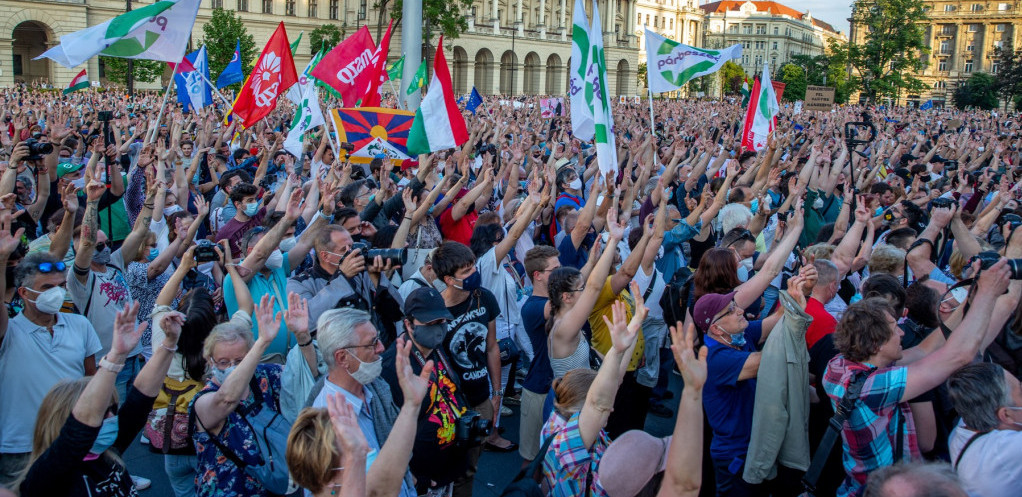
472,282
738,339
153,254
220,375
251,208
107,436
754,205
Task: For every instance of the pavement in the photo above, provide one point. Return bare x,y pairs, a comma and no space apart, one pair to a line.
496,469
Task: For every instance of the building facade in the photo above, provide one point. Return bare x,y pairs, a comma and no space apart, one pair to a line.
962,36
511,47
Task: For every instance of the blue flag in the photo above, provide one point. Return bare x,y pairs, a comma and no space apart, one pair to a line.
474,101
232,73
926,105
191,86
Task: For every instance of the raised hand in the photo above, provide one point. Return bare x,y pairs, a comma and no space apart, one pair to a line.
171,324
345,423
413,387
683,343
9,242
269,321
127,331
622,336
297,314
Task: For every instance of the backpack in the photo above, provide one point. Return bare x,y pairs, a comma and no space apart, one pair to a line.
675,299
528,487
167,426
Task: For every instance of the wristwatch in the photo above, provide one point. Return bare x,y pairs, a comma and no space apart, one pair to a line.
109,366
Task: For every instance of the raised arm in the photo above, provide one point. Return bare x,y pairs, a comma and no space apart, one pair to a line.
683,476
748,292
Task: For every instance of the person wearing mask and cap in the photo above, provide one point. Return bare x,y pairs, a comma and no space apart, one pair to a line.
437,461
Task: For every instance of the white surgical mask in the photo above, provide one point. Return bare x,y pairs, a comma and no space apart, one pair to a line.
49,301
288,243
576,184
367,371
79,183
275,260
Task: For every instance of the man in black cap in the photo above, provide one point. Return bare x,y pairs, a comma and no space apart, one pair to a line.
437,460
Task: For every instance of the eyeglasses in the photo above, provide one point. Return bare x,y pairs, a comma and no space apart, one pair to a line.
732,308
226,363
372,345
49,267
580,289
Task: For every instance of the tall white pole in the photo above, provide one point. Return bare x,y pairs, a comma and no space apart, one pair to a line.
411,45
159,117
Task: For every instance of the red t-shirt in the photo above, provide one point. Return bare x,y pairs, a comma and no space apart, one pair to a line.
823,323
460,230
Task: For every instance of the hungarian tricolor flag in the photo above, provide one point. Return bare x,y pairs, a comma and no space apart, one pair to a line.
759,117
378,73
274,73
438,123
80,82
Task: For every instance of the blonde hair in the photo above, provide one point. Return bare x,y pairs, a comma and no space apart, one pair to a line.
822,251
312,452
226,333
887,259
570,391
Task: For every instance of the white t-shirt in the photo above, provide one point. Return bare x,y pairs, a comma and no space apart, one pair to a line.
653,301
498,280
101,297
31,362
990,467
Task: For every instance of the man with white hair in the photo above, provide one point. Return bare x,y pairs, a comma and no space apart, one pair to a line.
351,348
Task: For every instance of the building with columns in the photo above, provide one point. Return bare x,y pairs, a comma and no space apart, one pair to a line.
963,36
511,46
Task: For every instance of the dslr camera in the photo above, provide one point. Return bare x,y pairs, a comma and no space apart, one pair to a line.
205,252
37,149
396,256
989,258
941,202
470,429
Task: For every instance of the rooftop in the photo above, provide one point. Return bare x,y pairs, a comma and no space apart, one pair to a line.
774,8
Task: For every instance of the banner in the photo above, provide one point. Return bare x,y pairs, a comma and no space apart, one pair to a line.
819,98
759,118
580,93
308,115
346,68
778,89
191,87
374,131
550,107
670,64
603,120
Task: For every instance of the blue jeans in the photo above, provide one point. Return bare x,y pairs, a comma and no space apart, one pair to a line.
181,473
132,366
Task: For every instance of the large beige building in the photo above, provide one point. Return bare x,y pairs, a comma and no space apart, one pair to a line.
511,46
962,36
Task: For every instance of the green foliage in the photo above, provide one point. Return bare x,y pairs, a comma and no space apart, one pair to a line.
115,69
795,82
1009,74
819,70
733,76
439,15
326,36
219,35
980,92
640,76
887,60
837,73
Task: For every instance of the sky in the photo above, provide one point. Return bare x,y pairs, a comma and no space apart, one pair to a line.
835,12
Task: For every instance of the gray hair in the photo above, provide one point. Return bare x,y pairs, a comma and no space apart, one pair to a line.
28,268
977,392
734,215
826,272
925,479
228,332
336,330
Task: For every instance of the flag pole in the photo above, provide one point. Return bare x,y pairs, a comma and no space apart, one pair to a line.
213,87
159,117
652,126
396,94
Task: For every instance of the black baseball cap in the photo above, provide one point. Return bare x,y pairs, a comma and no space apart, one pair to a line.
426,304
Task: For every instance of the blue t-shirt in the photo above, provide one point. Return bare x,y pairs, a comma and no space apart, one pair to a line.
575,257
275,286
540,374
729,402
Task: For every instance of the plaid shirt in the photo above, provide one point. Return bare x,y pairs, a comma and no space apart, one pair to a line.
869,435
567,463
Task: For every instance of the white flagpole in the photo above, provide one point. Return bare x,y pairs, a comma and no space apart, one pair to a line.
652,126
214,88
159,116
398,97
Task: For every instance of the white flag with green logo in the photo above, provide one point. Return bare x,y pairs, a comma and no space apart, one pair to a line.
669,64
603,121
580,93
158,31
308,115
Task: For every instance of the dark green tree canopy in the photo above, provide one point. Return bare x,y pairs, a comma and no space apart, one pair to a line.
888,58
219,35
980,91
115,70
326,37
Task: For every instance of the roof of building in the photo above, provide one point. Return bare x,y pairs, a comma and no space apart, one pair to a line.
771,7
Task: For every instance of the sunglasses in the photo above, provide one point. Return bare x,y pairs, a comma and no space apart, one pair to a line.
101,246
49,267
731,308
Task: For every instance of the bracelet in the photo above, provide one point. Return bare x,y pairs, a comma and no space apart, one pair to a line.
148,206
171,349
110,366
306,344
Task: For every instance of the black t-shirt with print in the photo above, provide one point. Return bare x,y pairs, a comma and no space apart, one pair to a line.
465,343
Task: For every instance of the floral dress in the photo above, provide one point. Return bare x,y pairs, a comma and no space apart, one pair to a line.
217,475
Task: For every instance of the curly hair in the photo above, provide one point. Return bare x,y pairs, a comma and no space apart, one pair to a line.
717,273
863,328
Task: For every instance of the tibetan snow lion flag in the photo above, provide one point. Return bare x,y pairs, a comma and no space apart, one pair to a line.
273,73
374,130
672,64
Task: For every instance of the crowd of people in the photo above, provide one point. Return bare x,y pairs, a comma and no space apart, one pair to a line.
844,306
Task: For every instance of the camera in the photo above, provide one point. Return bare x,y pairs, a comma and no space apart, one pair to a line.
205,251
941,203
396,256
348,147
487,148
471,428
989,258
951,165
37,149
1012,220
105,115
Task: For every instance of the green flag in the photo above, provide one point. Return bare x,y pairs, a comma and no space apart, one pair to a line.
294,46
394,68
419,80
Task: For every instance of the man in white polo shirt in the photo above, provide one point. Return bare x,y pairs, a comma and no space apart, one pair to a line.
40,347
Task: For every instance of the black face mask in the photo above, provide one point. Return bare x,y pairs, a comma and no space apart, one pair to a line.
429,335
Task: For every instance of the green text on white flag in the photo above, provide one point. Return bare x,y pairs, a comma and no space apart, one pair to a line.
603,121
669,64
581,105
308,115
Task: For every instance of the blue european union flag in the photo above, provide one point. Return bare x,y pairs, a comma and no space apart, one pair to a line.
232,73
926,105
474,101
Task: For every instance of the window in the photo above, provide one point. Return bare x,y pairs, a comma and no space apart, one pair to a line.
217,4
1002,28
998,44
977,7
734,28
994,67
775,45
777,30
745,59
942,66
747,28
334,7
1004,6
940,85
242,5
362,10
289,7
773,61
947,29
945,47
656,20
759,60
968,66
672,23
974,28
949,8
647,19
267,6
313,8
761,29
970,47
638,21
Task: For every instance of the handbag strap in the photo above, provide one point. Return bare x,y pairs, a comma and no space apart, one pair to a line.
228,453
973,438
652,283
844,409
534,466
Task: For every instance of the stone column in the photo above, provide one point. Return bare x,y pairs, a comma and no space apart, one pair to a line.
470,75
564,21
495,19
541,84
518,18
542,19
6,62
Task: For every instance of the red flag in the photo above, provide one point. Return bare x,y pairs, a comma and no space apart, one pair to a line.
182,67
378,74
274,72
346,67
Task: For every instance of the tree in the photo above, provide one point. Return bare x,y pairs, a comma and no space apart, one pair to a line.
220,34
640,76
837,73
326,36
1009,74
795,82
733,76
115,69
980,91
447,17
887,60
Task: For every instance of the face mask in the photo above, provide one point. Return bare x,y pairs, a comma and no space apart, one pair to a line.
576,184
153,254
107,436
79,183
980,149
738,339
429,335
471,283
288,243
754,205
172,209
220,375
367,371
102,257
50,301
275,260
251,208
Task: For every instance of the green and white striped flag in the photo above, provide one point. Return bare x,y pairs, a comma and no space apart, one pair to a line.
579,91
670,64
603,121
308,115
155,32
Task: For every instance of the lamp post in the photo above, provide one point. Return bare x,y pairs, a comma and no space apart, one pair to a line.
131,62
514,57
